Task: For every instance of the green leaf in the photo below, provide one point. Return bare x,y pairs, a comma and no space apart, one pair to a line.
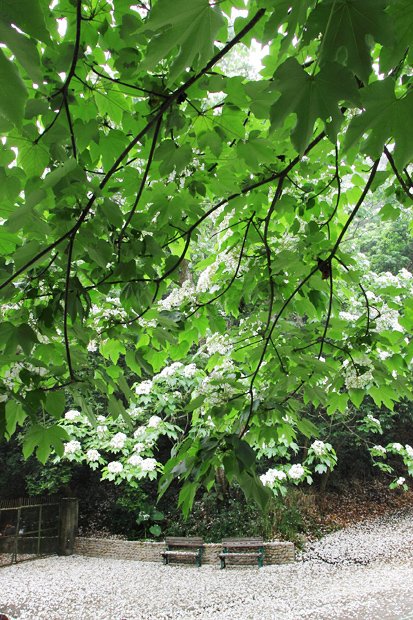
13,97
112,349
192,27
24,49
346,27
385,117
311,98
15,415
27,15
44,439
55,403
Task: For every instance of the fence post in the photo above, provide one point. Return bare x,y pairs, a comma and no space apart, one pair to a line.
69,509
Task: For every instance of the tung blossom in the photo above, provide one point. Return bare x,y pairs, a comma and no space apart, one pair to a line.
92,455
271,476
115,467
72,446
118,441
318,447
148,464
296,471
144,387
154,421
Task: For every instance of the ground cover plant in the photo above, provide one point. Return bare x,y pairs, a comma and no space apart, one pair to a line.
176,234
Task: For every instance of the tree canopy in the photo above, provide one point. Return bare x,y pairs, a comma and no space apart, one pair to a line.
162,209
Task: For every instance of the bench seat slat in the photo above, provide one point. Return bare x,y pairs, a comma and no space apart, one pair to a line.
177,552
251,554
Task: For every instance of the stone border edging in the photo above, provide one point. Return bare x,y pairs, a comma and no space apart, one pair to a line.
275,552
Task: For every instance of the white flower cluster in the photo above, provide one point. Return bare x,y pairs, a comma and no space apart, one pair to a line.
154,421
118,441
115,467
218,343
92,455
296,471
12,374
144,387
72,414
178,297
268,479
380,449
353,378
400,481
72,446
373,420
318,447
409,451
145,465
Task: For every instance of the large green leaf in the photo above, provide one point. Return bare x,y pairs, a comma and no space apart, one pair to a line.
347,27
385,117
310,98
190,26
24,49
44,439
13,91
27,15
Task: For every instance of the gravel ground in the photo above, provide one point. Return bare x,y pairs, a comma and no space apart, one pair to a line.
363,572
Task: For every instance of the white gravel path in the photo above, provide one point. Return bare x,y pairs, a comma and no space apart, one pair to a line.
337,578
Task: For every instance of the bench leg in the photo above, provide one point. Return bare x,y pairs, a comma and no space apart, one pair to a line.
260,561
222,563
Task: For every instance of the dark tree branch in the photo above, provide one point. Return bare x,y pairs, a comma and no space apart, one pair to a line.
361,287
330,307
66,307
142,184
336,177
355,210
131,86
399,177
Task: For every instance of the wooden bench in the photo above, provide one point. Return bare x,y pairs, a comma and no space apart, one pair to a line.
183,548
237,548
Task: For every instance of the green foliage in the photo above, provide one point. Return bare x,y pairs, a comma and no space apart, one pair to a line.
157,208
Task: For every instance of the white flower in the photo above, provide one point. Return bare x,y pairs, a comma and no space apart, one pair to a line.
139,447
135,460
144,387
373,420
271,476
396,446
101,418
102,429
135,411
72,414
118,440
190,370
218,343
139,431
400,481
92,346
296,471
114,467
318,447
72,446
92,455
148,464
380,449
409,451
169,371
154,421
